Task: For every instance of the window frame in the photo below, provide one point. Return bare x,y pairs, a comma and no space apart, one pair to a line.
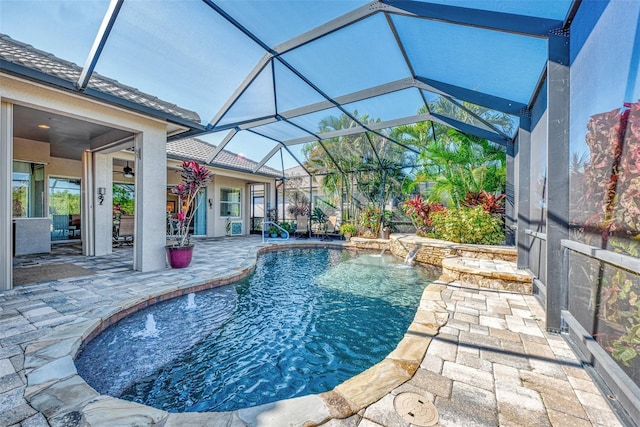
222,202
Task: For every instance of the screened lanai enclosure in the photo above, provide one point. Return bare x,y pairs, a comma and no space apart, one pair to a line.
357,103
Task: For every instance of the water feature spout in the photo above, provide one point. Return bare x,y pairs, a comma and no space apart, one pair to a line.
150,329
387,246
191,301
410,259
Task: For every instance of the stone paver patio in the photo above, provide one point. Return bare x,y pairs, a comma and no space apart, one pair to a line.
491,364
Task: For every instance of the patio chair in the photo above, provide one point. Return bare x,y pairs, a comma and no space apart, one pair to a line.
74,225
60,225
320,222
302,227
333,227
125,231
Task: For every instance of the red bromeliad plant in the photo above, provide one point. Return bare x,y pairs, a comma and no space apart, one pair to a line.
490,202
194,178
420,213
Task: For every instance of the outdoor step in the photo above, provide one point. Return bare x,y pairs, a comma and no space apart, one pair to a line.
491,274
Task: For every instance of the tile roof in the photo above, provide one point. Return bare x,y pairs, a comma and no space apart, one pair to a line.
196,149
27,56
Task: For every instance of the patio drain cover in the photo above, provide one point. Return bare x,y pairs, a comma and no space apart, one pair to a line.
416,409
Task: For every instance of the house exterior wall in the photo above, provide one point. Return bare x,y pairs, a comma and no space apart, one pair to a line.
148,250
216,225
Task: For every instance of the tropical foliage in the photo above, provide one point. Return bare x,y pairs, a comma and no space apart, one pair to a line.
460,164
371,220
420,214
468,225
123,197
489,202
64,203
450,168
364,169
298,202
348,228
19,202
611,178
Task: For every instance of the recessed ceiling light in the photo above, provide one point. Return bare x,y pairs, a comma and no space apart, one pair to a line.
43,126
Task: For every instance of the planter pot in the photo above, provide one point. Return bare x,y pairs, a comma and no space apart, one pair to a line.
179,257
347,236
274,235
283,235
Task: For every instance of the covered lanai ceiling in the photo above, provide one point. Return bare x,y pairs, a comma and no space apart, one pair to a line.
266,78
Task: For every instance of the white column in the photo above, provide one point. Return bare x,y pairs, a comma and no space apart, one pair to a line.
247,203
102,210
86,205
212,217
6,168
150,200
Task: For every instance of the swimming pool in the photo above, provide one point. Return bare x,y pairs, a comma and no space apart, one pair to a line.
303,322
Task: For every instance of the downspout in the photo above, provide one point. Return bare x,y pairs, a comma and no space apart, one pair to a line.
382,194
310,202
87,205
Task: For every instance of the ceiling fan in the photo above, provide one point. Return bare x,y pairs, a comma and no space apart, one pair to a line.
127,172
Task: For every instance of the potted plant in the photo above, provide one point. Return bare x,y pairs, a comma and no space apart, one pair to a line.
386,232
370,219
287,227
194,178
347,230
273,231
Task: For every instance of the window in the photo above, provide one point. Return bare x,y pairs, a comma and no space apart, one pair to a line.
230,205
64,208
123,198
27,190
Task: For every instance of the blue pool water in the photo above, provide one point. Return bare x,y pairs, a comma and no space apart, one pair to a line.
302,323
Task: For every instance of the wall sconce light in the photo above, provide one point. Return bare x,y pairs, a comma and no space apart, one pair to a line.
101,192
210,203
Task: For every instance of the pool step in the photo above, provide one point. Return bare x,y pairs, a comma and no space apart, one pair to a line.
489,274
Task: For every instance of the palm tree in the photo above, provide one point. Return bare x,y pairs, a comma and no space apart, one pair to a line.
459,164
365,166
451,162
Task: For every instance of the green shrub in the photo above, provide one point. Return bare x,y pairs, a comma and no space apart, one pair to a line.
370,219
348,228
468,225
287,226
